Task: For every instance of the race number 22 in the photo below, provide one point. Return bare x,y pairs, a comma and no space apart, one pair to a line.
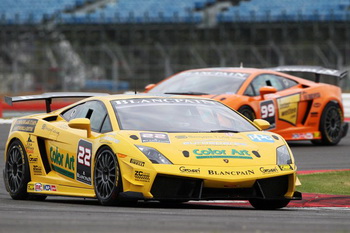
84,154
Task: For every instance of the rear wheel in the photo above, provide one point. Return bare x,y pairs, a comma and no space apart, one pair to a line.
247,112
262,204
107,178
330,125
17,173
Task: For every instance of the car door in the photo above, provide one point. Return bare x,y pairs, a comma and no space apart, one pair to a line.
71,153
280,107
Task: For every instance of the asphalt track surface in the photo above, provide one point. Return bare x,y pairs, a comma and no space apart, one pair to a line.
58,214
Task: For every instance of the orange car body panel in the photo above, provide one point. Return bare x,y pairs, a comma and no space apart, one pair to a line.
298,109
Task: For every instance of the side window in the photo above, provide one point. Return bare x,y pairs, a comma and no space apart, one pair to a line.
74,112
97,113
249,91
267,80
93,110
288,82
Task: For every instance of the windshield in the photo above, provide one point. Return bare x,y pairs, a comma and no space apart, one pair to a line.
202,83
178,115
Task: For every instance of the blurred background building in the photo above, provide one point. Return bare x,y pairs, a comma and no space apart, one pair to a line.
118,45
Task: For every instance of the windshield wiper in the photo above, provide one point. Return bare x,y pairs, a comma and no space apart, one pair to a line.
187,93
224,131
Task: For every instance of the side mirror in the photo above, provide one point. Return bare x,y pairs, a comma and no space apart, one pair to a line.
267,90
81,123
149,87
262,124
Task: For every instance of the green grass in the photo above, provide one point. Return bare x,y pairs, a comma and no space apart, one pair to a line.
337,183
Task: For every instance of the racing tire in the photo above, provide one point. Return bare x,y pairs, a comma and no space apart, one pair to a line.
330,125
263,204
107,178
247,112
17,173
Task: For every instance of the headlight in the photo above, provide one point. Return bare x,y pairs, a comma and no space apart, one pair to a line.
153,155
283,156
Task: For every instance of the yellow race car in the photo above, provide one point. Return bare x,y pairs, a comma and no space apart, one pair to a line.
125,148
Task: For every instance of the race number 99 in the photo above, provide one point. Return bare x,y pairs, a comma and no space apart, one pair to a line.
268,112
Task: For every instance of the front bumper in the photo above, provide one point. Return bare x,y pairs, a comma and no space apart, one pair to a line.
168,187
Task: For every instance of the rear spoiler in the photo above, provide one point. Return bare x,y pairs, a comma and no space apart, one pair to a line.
49,96
317,70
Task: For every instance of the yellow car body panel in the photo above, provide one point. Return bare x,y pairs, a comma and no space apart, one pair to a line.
62,159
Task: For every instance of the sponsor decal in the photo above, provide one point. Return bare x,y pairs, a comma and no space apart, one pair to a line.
25,125
37,170
84,154
155,137
317,105
231,173
163,100
233,153
311,96
29,146
47,187
286,167
62,162
50,129
30,187
109,139
268,112
214,143
288,108
183,169
260,138
38,187
303,136
268,170
142,176
53,188
137,162
33,158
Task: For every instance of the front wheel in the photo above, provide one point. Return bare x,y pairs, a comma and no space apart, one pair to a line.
248,112
107,178
262,204
17,173
331,125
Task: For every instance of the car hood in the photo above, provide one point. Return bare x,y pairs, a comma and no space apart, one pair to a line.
211,149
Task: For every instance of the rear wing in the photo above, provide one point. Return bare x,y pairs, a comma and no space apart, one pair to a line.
317,70
49,96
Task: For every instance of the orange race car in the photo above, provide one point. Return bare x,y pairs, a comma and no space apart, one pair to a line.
297,109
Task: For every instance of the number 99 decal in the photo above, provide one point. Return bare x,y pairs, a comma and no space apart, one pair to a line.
268,112
84,154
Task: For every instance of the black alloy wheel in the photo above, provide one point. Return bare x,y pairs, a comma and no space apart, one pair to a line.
17,173
330,125
247,112
107,178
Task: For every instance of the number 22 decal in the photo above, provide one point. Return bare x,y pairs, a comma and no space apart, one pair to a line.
84,156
